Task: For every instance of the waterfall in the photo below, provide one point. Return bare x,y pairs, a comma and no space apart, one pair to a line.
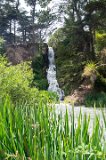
51,75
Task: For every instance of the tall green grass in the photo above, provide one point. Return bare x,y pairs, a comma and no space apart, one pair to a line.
38,133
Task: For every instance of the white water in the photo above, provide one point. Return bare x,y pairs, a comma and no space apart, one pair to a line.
51,75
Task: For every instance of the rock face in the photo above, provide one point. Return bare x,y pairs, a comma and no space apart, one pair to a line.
24,52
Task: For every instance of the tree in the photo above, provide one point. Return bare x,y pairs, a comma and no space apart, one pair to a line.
10,11
77,37
82,19
24,23
3,19
95,17
14,21
36,15
56,38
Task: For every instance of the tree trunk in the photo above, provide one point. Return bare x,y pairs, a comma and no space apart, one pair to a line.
14,31
33,22
25,35
10,31
92,50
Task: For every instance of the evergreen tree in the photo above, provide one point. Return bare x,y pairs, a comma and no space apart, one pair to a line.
9,16
38,16
82,19
24,23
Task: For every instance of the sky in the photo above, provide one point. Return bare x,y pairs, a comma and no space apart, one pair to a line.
24,5
53,5
22,2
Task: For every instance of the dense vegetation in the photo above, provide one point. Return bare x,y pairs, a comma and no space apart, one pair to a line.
81,41
30,126
82,38
37,132
40,66
16,82
19,26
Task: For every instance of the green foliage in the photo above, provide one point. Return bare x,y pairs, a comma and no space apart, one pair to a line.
16,82
100,41
96,98
96,14
40,82
69,68
37,132
39,70
90,71
56,38
1,45
75,46
74,43
100,83
48,96
68,73
96,74
29,26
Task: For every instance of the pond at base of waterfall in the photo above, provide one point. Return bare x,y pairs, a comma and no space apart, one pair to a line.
51,75
61,109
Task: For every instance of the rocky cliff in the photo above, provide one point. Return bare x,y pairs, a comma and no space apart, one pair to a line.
18,53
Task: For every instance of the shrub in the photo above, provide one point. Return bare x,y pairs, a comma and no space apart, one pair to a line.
48,96
96,74
100,41
90,71
100,83
97,99
16,83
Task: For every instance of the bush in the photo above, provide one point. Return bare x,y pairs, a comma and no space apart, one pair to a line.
89,69
48,96
16,81
95,98
1,45
100,83
100,41
96,74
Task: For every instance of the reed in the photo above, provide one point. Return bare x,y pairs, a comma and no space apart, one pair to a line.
39,133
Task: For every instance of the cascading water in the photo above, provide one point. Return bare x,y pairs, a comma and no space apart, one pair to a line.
51,75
